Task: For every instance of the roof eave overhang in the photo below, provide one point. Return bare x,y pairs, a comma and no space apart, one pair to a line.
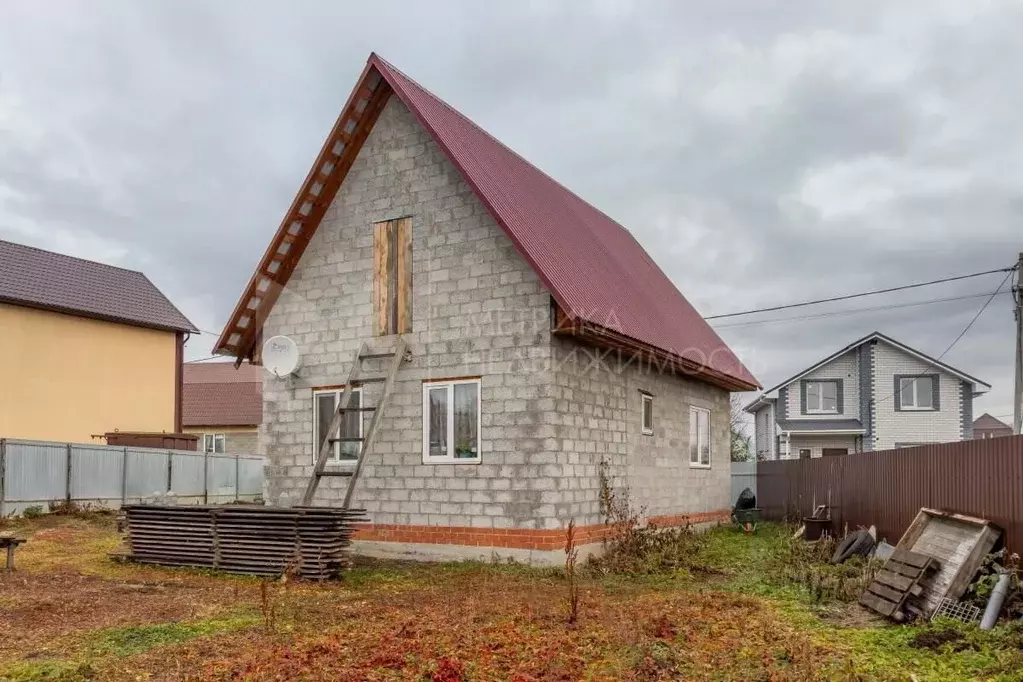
78,312
638,351
825,432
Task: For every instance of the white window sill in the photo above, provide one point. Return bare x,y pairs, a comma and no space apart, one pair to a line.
454,462
815,412
903,408
694,465
649,432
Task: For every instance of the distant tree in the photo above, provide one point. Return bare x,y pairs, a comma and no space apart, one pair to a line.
742,446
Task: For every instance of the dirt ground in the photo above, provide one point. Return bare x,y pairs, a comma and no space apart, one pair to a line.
71,613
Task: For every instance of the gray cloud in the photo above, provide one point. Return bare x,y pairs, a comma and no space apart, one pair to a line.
764,152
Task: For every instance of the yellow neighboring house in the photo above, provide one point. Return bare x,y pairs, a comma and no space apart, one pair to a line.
85,349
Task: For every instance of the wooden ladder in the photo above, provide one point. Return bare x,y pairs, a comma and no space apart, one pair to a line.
355,380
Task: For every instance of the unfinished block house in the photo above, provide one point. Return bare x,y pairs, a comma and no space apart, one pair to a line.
535,339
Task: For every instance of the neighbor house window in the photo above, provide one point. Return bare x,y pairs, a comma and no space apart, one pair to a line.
699,437
214,442
392,277
451,421
821,397
648,413
804,453
345,441
916,393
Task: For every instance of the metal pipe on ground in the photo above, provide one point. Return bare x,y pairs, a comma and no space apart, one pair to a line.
994,604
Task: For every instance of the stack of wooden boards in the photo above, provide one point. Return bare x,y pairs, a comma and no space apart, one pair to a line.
896,591
312,541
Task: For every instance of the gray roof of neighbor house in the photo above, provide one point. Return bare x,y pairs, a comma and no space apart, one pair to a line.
820,425
979,386
52,281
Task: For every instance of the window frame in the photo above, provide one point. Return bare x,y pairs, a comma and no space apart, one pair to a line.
820,410
808,451
450,457
214,437
335,458
694,426
914,381
646,399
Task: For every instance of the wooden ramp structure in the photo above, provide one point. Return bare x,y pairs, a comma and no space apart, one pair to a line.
896,590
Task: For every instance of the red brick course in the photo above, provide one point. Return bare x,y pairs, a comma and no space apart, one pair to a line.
513,538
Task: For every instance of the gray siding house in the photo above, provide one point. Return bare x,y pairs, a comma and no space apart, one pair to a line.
874,394
544,343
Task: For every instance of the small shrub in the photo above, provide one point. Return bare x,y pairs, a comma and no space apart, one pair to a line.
633,548
808,564
571,557
33,512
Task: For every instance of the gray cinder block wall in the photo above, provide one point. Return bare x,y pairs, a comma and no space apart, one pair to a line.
478,310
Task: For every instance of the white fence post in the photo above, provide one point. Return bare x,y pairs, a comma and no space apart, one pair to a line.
237,480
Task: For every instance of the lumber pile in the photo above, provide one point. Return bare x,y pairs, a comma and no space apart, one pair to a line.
314,542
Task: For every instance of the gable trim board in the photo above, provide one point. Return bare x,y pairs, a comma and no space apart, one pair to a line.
607,289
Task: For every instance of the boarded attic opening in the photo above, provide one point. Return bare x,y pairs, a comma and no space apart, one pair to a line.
392,277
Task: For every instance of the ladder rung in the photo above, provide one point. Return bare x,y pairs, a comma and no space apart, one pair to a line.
368,380
356,409
376,356
334,473
346,440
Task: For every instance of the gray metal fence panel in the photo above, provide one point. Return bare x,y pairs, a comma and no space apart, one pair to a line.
188,473
96,472
221,477
36,471
250,475
147,472
744,475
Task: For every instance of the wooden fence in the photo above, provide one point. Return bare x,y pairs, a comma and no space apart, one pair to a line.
982,478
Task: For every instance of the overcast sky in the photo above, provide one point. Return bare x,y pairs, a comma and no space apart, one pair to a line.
763,152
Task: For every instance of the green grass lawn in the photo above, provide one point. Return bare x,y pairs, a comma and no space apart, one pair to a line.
735,611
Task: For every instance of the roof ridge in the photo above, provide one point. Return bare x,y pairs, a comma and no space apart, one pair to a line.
70,257
486,132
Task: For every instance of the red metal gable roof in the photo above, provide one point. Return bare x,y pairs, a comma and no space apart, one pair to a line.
593,267
217,394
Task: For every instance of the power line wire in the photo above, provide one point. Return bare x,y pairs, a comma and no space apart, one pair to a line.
860,295
961,334
853,311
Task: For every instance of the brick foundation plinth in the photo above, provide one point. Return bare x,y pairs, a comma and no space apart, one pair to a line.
514,538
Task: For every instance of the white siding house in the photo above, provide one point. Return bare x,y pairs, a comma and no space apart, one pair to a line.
874,394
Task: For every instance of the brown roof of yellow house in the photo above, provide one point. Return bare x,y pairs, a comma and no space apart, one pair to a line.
52,281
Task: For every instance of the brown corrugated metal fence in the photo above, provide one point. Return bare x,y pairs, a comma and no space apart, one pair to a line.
981,478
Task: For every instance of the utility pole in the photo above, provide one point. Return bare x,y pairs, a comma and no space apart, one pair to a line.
1017,292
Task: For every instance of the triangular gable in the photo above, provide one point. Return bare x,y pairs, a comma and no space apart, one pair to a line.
602,280
979,386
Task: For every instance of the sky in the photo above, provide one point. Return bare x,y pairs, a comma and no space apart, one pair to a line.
763,152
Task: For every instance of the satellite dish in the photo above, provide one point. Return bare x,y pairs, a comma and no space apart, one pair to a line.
280,356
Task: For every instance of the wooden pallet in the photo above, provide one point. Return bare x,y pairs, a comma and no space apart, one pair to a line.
896,586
